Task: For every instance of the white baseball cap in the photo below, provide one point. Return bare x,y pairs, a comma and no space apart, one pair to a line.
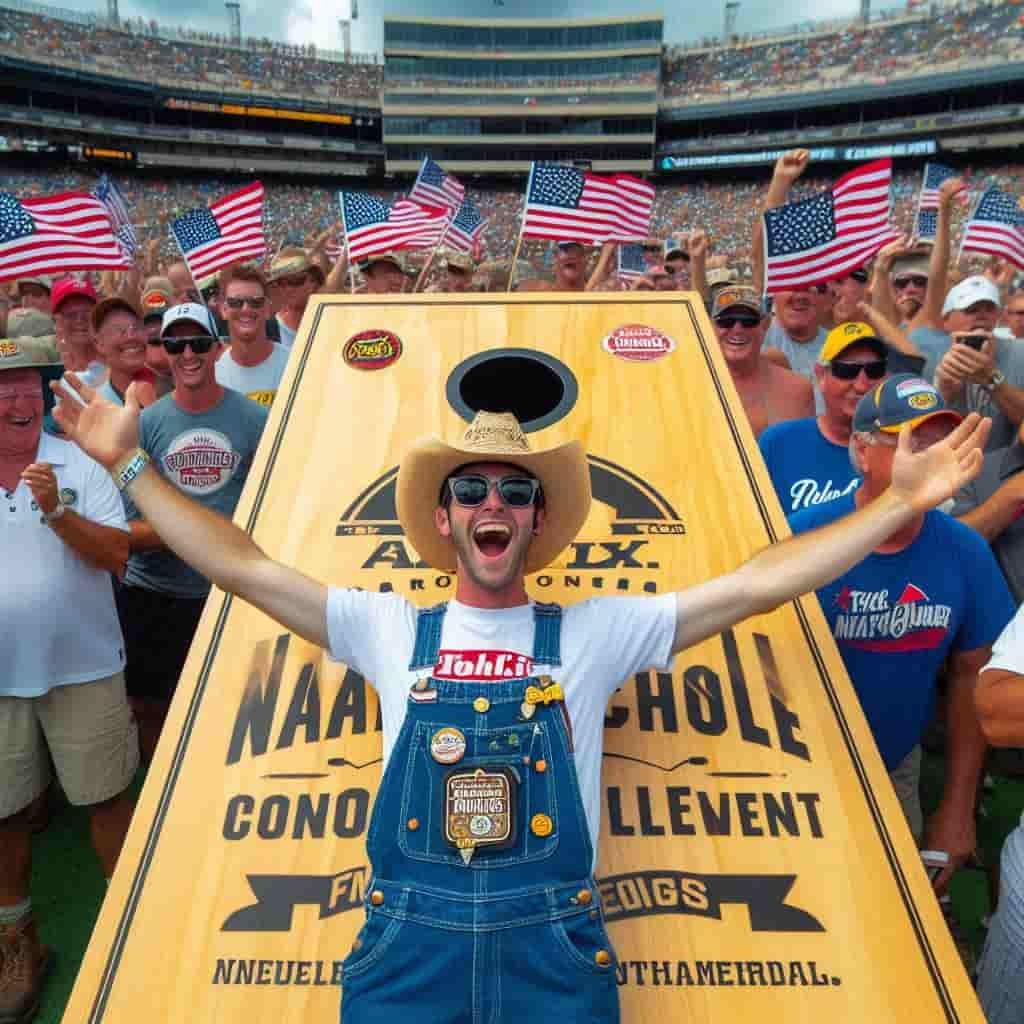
192,312
969,291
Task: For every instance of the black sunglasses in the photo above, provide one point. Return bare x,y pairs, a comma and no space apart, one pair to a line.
904,282
851,371
728,322
471,491
254,302
200,345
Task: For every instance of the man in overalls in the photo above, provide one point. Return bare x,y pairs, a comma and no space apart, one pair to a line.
483,906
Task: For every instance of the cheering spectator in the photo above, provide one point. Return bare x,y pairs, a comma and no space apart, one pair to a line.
808,459
34,292
769,393
162,598
253,364
72,303
294,278
121,344
385,273
62,690
931,592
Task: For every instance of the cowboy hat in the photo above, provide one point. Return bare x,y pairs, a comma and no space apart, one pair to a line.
493,437
293,260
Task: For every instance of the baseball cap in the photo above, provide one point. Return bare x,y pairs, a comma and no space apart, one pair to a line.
722,276
568,243
902,398
844,336
969,291
42,280
859,274
30,323
157,297
737,297
910,263
191,312
103,309
69,288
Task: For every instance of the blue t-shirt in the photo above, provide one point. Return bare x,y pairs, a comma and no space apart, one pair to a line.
896,617
806,468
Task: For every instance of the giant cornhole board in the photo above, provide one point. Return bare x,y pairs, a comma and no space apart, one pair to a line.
754,862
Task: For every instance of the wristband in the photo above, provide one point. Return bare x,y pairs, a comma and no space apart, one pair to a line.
128,468
58,511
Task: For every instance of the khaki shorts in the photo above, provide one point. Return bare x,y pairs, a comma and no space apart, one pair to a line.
90,733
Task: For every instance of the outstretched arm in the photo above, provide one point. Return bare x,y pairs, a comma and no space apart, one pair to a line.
800,564
210,543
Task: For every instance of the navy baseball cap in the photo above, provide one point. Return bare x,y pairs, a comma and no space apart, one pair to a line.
902,398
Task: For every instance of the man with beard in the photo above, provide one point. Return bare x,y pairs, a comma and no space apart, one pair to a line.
457,681
808,459
979,371
769,393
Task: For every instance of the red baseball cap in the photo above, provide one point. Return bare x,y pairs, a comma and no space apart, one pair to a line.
68,288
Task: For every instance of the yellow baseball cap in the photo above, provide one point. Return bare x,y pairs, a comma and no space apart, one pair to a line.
846,335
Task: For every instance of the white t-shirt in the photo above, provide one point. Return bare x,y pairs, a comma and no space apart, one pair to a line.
256,382
604,641
1008,650
60,624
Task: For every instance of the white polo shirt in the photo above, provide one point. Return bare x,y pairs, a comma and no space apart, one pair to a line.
59,620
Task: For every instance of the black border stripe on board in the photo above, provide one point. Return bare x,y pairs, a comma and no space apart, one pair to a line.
931,960
177,760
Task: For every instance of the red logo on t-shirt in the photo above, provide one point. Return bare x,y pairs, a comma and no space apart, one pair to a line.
483,665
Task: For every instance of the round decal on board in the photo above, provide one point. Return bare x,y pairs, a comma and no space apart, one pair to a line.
372,350
638,342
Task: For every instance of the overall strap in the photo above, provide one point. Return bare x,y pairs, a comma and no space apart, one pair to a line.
547,634
428,637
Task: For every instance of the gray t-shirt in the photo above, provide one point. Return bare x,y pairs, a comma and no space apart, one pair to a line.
1009,358
998,467
801,355
205,455
933,344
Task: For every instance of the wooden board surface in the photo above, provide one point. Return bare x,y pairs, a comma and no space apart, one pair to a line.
754,861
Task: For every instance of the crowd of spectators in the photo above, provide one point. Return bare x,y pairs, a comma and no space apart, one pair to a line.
851,53
136,49
855,54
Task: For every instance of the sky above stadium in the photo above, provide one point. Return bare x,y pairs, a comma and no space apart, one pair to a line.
304,21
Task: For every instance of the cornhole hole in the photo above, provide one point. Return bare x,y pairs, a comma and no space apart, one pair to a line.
754,861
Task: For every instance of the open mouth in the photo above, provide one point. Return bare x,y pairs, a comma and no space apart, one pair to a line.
492,539
20,421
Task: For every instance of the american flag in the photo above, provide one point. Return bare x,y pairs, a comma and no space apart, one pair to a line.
576,206
997,227
926,219
465,229
373,227
822,238
632,260
47,234
110,196
229,231
433,187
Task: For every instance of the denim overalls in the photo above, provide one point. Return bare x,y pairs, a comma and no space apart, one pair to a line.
482,909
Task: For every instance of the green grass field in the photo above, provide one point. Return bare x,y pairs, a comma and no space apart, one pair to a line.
67,885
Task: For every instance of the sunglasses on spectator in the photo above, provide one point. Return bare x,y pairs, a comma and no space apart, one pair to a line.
851,371
253,302
292,282
913,279
200,345
471,490
729,322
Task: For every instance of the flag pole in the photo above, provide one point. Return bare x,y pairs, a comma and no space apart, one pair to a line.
433,252
965,225
519,241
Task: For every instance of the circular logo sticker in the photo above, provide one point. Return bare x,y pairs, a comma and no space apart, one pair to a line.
200,461
447,745
479,824
372,350
68,496
638,342
923,401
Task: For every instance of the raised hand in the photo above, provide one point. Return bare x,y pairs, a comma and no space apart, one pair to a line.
105,431
791,165
927,478
949,190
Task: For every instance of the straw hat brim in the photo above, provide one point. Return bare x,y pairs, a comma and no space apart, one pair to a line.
563,474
